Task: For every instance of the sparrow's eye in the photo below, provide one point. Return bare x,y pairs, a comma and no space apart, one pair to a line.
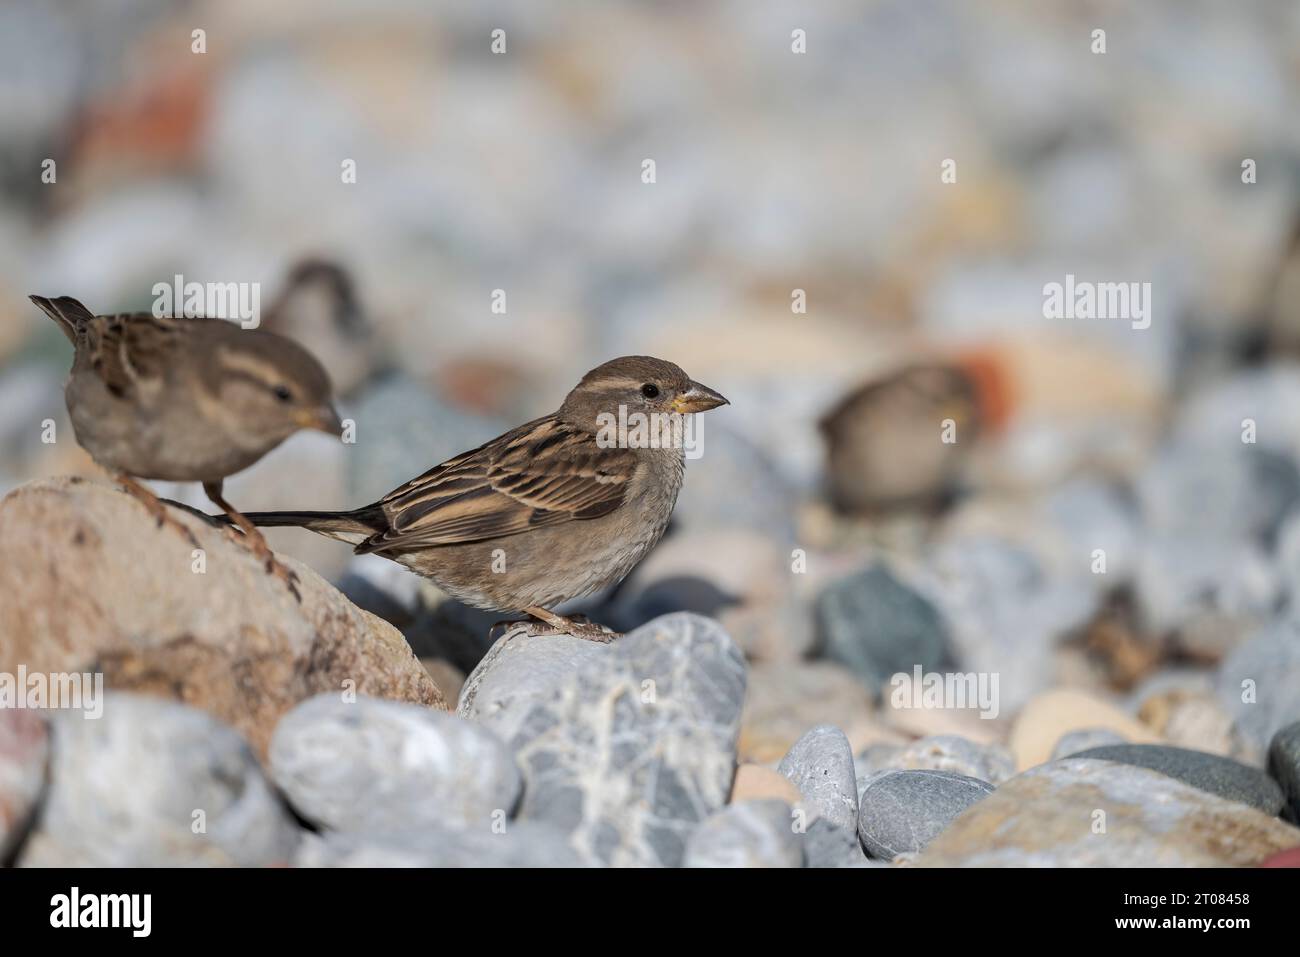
282,393
650,390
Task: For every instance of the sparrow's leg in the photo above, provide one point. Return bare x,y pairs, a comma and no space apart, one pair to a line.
559,625
254,539
155,506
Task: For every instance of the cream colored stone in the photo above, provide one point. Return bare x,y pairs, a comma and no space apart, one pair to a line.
1050,715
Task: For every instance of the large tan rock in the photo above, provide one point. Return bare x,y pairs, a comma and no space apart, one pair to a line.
1080,812
89,582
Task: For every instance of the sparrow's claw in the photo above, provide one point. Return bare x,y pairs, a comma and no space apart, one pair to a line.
286,575
578,626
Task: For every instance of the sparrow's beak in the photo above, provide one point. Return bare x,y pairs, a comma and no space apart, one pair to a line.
698,398
323,418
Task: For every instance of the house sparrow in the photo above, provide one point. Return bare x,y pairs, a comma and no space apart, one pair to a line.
885,442
187,400
547,512
318,303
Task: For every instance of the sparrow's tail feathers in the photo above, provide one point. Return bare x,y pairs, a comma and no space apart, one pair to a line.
350,527
67,312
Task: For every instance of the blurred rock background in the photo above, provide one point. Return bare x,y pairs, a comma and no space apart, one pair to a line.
776,171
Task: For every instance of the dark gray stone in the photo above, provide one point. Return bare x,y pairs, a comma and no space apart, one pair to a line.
749,834
820,765
379,766
1209,772
625,746
902,811
1284,765
877,626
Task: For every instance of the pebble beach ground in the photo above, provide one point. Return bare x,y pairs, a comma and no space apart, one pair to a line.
1087,655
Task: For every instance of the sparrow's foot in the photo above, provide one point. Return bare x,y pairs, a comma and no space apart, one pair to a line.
255,541
154,505
256,544
286,575
507,627
553,624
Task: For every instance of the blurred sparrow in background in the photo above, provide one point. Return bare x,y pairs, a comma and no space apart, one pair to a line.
543,514
885,441
318,304
187,400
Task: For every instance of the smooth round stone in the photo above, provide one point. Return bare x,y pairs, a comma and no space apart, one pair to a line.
1209,772
373,765
903,811
878,626
1284,765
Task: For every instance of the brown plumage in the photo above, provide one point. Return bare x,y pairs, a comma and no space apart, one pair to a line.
543,514
884,441
186,400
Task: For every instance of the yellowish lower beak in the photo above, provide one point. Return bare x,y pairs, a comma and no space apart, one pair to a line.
698,398
323,418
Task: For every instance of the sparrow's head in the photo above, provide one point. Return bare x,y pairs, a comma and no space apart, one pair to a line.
317,290
268,387
636,384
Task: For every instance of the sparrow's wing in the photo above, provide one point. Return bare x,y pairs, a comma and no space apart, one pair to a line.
128,349
540,474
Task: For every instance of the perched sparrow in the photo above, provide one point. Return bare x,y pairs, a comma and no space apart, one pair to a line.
885,442
187,400
548,512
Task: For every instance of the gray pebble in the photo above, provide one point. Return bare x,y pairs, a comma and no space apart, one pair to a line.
749,834
377,765
1217,775
878,626
820,765
153,783
902,811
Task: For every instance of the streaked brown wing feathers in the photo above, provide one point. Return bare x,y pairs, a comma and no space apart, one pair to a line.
507,487
128,348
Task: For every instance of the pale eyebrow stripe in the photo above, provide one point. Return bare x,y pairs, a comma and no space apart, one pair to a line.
234,361
618,383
